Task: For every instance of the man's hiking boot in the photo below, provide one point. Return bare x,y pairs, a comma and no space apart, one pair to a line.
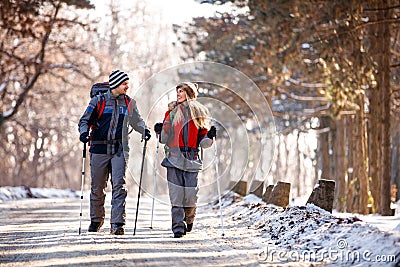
178,234
189,227
95,226
117,229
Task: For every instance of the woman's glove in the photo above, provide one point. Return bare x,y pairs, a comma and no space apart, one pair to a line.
158,127
212,132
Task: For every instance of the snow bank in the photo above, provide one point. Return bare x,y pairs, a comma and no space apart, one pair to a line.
10,193
21,192
313,231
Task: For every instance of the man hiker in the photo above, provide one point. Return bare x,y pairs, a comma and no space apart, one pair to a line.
108,115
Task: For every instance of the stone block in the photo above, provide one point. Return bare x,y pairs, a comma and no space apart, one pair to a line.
256,188
240,188
323,194
267,193
280,194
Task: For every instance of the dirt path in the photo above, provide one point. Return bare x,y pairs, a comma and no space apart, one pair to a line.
44,232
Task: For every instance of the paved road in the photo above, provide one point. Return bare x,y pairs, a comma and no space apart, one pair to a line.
44,232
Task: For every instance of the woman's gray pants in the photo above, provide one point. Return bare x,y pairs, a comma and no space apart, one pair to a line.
100,166
182,186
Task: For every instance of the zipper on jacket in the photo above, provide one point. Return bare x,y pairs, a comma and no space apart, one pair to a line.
113,125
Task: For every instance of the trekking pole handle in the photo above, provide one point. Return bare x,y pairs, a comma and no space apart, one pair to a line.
84,150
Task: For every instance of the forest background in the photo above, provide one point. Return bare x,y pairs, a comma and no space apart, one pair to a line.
328,69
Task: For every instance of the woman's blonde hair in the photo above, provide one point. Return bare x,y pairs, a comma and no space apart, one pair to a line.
198,112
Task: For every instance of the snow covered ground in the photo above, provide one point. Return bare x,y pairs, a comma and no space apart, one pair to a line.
311,234
296,236
22,192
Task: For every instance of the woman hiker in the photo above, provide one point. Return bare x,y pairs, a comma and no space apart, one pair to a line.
183,132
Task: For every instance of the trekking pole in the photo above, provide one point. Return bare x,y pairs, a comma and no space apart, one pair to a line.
154,182
218,185
140,184
83,179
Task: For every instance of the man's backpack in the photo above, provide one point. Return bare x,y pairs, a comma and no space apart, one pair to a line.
99,89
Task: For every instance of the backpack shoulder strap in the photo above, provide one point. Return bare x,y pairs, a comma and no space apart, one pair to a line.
101,105
198,136
128,103
172,115
198,142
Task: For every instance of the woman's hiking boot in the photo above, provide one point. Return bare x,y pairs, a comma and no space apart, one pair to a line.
117,229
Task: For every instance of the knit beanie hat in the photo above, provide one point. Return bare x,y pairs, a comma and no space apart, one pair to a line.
192,89
116,78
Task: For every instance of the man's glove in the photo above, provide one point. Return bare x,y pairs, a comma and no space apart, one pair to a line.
212,132
147,134
158,127
84,137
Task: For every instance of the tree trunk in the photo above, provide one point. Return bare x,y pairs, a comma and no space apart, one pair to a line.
324,149
339,164
375,126
375,137
351,181
286,171
277,175
298,166
361,167
383,41
380,104
395,166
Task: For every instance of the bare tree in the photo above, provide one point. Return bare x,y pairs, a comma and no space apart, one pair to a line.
26,30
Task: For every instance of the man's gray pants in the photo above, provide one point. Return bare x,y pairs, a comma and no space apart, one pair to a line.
182,186
100,164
